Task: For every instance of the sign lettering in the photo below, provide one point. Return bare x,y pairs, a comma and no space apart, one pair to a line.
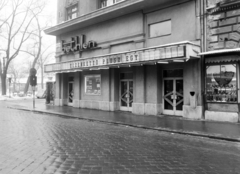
77,43
123,58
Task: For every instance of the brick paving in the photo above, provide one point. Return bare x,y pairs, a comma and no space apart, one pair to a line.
35,143
203,128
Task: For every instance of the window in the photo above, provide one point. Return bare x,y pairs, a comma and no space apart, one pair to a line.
105,3
160,29
72,12
221,84
124,76
93,84
173,73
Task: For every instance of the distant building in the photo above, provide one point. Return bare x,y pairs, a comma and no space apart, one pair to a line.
139,56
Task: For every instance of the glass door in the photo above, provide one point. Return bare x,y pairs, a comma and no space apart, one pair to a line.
173,96
70,93
126,95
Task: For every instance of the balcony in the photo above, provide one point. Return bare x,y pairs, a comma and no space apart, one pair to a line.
106,13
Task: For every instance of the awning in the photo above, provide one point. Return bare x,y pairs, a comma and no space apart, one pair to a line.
223,59
223,6
175,52
219,56
220,51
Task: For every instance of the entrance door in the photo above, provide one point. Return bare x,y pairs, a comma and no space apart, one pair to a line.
173,96
70,93
126,95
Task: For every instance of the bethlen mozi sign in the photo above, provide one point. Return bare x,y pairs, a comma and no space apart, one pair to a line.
77,43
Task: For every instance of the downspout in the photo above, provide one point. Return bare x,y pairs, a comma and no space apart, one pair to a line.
203,49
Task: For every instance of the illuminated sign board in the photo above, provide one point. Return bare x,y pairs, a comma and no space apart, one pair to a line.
161,53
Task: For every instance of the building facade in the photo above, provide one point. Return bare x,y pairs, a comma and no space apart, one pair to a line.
140,56
222,58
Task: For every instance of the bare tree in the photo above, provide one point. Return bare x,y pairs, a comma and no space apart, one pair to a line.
17,73
16,29
38,51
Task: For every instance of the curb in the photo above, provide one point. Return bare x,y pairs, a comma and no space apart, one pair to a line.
196,134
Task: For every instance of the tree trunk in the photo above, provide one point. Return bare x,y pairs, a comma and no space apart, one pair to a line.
42,76
4,84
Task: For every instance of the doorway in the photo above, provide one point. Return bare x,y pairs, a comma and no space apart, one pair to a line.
126,91
70,91
173,96
126,95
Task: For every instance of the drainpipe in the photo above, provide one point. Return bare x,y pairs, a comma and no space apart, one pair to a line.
203,49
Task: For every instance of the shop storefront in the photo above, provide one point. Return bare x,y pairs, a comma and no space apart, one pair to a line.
153,81
222,61
121,57
222,85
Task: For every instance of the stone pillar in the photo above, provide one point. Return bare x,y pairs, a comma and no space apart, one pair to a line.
57,94
104,104
77,90
64,89
138,106
152,107
114,80
192,104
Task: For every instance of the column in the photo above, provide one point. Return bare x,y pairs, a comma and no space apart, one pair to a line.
114,80
77,90
57,94
139,92
64,89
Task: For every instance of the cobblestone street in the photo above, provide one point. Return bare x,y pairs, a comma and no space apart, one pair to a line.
35,143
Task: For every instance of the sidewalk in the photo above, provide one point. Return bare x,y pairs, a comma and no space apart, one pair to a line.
216,130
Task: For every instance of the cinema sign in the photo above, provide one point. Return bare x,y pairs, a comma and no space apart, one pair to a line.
77,43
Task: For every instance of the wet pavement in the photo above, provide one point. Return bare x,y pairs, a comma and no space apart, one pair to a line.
34,143
218,130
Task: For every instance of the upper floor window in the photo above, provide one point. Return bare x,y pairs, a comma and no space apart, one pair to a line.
105,3
72,12
160,29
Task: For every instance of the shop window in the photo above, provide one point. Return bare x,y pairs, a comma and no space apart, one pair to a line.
105,3
93,84
160,29
221,83
72,12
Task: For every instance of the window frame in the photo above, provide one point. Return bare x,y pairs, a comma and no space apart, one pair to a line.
113,3
237,82
149,31
72,6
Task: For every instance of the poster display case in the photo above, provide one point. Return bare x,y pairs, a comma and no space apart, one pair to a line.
93,84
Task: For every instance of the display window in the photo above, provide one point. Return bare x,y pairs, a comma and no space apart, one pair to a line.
93,84
221,83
